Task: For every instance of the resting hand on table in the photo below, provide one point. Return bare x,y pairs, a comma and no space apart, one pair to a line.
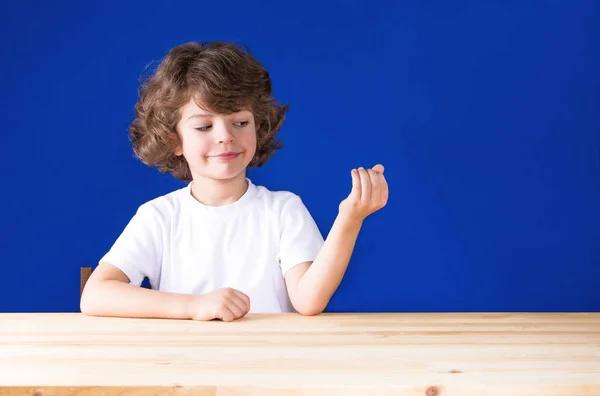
226,304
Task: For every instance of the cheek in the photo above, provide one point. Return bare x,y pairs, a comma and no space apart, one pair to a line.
196,146
250,141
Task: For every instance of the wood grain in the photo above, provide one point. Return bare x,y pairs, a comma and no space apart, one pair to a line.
437,354
84,275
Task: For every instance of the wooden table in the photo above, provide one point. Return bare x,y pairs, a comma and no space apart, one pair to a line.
331,354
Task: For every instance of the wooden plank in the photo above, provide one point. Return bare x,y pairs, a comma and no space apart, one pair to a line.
288,354
475,390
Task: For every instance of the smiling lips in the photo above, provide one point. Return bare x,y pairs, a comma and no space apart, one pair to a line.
226,156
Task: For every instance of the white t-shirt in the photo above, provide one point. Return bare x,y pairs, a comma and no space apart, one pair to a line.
183,246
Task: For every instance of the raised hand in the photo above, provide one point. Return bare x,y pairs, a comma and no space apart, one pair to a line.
369,193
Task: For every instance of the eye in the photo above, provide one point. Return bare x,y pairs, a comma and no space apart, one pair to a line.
203,128
242,124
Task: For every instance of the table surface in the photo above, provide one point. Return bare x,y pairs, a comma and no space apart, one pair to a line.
431,354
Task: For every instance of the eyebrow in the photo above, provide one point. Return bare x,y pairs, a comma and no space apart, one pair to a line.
199,116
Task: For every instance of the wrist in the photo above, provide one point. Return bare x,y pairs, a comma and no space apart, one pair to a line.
350,220
188,306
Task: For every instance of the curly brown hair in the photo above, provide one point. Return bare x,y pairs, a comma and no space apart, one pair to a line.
222,78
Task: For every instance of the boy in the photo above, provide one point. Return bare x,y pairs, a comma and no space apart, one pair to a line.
221,246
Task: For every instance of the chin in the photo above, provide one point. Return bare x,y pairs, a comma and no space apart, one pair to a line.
227,175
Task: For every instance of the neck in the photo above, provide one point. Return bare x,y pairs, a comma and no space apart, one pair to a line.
214,192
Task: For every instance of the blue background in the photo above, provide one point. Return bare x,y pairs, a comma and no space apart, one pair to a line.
485,114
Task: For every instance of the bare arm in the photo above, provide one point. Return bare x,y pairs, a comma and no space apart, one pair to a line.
311,285
108,293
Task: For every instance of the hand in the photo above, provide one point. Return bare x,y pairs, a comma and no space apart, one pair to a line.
225,304
369,193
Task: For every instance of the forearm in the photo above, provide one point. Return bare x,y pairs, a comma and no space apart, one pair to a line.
317,285
119,299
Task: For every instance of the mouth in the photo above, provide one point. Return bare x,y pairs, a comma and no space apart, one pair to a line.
226,156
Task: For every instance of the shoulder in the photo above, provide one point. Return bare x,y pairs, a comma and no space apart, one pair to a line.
277,198
163,207
279,201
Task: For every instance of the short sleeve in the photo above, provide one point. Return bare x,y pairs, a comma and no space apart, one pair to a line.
301,239
138,249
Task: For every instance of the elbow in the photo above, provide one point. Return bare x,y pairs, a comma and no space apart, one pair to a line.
310,312
86,302
310,305
310,309
84,305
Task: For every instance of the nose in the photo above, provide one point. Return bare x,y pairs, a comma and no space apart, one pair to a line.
224,135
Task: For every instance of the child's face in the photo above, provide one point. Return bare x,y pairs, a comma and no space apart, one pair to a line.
206,137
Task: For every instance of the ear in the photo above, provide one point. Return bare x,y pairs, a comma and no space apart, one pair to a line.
178,144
